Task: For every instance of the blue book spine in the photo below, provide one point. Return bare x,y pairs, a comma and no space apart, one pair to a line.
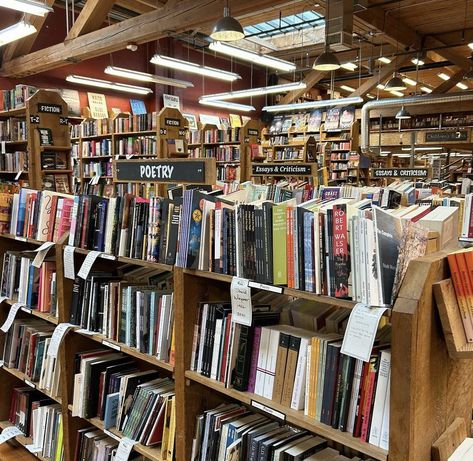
309,252
152,322
31,296
21,214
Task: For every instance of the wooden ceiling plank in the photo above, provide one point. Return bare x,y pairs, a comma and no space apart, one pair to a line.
91,18
23,46
311,79
189,14
447,85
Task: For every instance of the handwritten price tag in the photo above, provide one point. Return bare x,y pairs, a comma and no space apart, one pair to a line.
242,309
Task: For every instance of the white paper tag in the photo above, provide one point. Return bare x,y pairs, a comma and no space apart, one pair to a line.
18,175
21,239
2,363
8,433
111,434
56,339
117,157
263,286
88,263
33,449
242,309
85,332
129,156
26,309
108,256
361,331
269,410
111,345
30,383
124,449
69,271
3,299
41,253
4,147
11,316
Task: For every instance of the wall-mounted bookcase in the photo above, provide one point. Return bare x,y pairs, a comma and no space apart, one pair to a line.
41,159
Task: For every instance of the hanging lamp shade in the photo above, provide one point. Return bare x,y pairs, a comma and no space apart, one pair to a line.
395,84
227,29
326,62
403,114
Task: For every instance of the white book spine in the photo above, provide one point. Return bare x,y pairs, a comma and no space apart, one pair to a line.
203,330
318,274
272,355
307,380
380,397
75,210
216,349
261,364
384,442
299,389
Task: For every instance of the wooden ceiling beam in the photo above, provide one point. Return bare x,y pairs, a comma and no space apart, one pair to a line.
188,15
140,6
91,18
311,79
447,85
23,46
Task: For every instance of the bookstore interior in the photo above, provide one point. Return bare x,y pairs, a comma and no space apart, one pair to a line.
236,230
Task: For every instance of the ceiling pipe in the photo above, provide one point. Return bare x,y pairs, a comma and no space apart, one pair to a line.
406,102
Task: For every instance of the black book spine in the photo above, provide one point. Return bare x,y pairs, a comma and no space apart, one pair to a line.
328,389
231,242
224,253
163,226
207,350
80,222
251,222
243,361
75,316
346,396
339,384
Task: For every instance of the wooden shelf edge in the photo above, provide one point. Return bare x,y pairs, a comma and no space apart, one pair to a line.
22,239
23,440
41,315
294,417
152,453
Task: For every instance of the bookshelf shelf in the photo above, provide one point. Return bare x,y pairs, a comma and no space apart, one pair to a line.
55,171
135,133
22,440
18,141
35,313
55,148
97,157
293,417
21,111
97,136
22,239
14,172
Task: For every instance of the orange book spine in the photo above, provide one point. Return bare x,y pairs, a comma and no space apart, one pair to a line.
290,246
461,296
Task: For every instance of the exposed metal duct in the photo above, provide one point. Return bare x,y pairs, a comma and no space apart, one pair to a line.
406,102
339,24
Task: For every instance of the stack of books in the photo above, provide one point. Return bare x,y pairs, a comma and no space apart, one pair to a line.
143,122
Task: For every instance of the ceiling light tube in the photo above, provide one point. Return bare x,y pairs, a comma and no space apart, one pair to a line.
349,66
397,93
422,148
347,88
255,91
384,60
444,76
314,104
108,85
250,56
409,81
426,89
28,6
462,86
192,68
227,105
16,32
417,62
145,77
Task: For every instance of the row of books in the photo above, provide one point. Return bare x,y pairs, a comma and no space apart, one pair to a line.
120,401
223,153
13,129
228,173
96,148
467,219
39,418
54,161
22,282
95,127
102,168
233,432
228,135
25,349
339,156
141,145
17,97
14,161
137,314
143,122
76,131
193,137
340,145
289,153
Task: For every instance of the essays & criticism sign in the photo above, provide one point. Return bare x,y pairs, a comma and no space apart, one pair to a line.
400,173
276,169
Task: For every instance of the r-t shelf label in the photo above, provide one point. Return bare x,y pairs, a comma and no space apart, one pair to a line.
186,171
277,169
400,173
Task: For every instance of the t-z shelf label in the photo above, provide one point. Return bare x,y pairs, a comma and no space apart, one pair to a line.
34,119
49,108
276,169
400,172
268,410
172,122
187,171
436,136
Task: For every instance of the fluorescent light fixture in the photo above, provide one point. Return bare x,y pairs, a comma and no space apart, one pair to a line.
370,96
380,86
384,60
314,104
385,152
347,88
426,89
192,68
409,81
397,93
145,77
349,66
108,85
470,45
28,6
16,32
422,148
250,56
255,91
226,105
444,76
417,62
462,86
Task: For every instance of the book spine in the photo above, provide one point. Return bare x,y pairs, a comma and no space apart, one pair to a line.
254,359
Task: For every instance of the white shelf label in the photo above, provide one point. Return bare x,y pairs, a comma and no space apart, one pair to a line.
111,345
263,286
110,434
56,339
30,383
26,309
69,271
11,316
88,263
268,410
9,433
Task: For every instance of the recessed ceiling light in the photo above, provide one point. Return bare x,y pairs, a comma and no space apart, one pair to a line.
380,86
409,81
347,88
444,76
384,60
462,86
397,93
349,66
470,45
417,62
426,89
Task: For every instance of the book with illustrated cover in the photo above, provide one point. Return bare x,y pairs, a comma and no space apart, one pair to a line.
332,119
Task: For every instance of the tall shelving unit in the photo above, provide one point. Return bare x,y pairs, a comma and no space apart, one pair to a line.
423,401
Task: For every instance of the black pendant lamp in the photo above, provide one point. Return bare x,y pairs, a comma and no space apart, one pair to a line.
227,29
327,61
395,83
403,114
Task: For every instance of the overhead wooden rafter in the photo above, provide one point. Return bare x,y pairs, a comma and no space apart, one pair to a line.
311,79
450,83
185,15
24,46
140,6
91,18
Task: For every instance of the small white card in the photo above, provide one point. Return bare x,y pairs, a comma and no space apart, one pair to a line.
69,271
18,175
11,316
361,331
88,263
124,449
8,433
56,339
33,448
41,253
242,309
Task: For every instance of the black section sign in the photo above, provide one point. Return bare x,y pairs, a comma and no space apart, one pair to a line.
253,132
438,136
34,119
63,121
49,108
272,169
172,122
400,172
156,171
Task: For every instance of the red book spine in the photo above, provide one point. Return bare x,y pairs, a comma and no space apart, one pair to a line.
361,399
226,343
52,218
366,413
